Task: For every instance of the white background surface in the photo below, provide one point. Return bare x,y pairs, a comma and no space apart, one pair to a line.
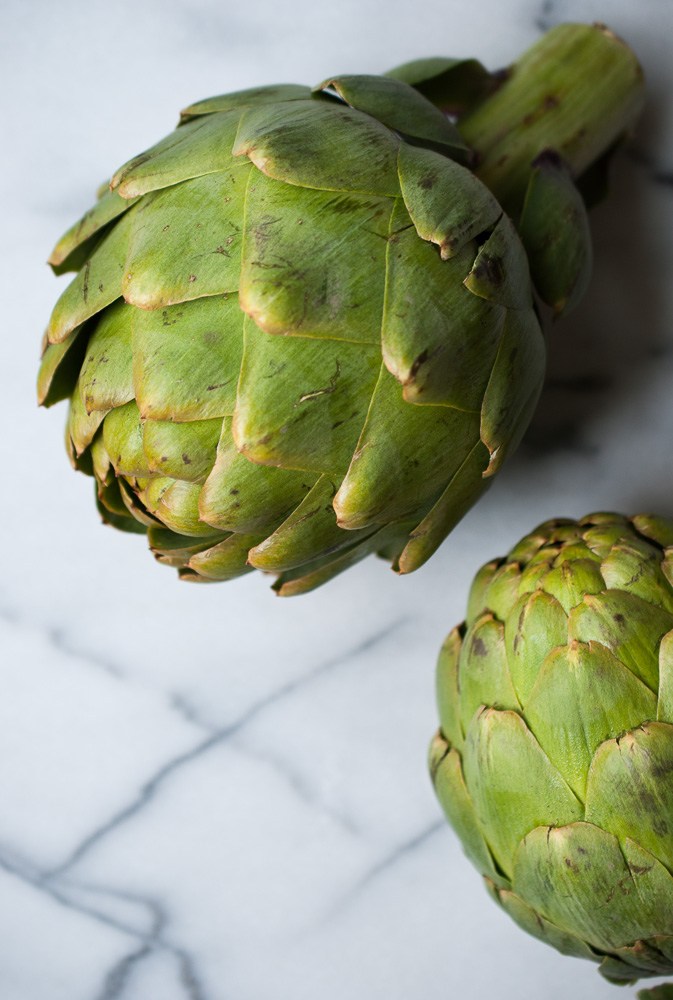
207,792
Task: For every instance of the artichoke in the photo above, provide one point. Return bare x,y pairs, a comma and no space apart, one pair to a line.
554,761
302,326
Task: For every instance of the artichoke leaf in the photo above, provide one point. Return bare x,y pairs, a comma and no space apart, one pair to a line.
534,923
584,695
404,458
447,688
554,229
665,699
477,601
635,567
581,879
176,550
645,959
571,580
483,672
203,146
60,367
662,992
203,341
123,440
448,205
454,85
185,240
270,94
461,493
76,246
500,272
630,793
96,286
181,451
520,362
82,427
303,142
106,378
502,590
400,107
535,626
447,777
309,533
241,496
313,262
295,392
659,529
225,560
630,628
176,504
513,784
113,510
305,578
438,340
135,506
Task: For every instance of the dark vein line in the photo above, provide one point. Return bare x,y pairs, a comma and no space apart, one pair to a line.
381,867
299,785
58,640
181,705
545,18
220,736
117,977
660,175
407,847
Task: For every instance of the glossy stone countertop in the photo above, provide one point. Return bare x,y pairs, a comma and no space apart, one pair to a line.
209,793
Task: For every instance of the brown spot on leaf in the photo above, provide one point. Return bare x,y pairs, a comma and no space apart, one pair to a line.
420,360
490,269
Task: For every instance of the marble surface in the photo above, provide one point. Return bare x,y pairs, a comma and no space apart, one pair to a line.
209,793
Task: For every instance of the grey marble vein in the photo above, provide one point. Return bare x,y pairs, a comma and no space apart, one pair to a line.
660,174
385,865
117,977
218,737
545,18
59,640
181,704
300,786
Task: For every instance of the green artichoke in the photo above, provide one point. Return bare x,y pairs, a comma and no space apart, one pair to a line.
302,328
554,761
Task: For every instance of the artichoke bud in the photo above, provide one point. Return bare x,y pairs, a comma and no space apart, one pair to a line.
301,327
554,757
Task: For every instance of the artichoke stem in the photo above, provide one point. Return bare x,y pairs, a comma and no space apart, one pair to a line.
576,91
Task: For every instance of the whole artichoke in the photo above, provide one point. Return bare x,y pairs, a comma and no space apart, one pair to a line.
302,329
554,761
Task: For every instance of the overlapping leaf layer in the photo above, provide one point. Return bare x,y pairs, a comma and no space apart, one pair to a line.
554,761
300,331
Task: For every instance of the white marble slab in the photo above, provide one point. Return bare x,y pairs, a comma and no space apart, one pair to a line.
208,793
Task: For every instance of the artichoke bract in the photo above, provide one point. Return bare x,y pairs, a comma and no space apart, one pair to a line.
302,326
554,761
